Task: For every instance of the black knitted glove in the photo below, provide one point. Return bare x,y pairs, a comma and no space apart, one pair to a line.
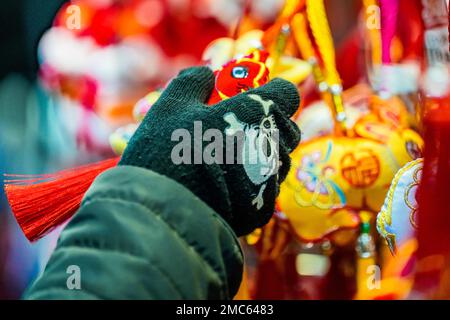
184,139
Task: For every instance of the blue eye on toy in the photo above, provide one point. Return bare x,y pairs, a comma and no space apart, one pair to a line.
239,72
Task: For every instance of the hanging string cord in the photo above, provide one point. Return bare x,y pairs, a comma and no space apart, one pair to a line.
300,30
282,27
315,10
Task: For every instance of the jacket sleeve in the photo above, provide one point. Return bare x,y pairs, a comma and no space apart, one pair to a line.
141,235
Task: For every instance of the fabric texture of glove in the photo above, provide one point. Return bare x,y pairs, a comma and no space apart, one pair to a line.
186,140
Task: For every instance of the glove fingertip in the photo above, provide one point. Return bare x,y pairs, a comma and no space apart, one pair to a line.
199,72
289,96
193,84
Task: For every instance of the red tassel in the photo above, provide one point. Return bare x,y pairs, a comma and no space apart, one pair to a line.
40,203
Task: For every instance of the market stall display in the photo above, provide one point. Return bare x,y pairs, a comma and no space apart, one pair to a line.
365,195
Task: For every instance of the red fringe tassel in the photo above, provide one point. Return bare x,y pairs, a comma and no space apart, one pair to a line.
40,203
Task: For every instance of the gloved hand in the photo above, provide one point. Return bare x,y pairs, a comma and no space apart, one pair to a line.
239,181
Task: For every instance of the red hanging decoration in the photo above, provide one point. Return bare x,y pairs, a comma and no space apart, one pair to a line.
40,203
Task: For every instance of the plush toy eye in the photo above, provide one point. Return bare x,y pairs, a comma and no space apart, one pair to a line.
239,72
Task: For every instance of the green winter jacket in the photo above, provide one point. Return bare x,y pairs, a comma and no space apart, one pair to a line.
141,235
